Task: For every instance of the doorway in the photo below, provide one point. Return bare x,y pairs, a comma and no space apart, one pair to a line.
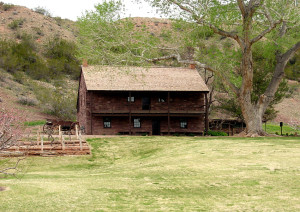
155,127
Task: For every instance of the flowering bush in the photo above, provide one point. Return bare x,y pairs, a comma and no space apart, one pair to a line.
11,127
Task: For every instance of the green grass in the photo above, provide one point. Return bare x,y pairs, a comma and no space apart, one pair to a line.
275,128
34,123
163,174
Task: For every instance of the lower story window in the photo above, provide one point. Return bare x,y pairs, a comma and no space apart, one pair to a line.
183,123
106,122
130,99
137,123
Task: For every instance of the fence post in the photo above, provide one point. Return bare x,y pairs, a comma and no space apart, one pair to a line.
76,131
18,145
59,130
38,138
63,142
42,143
80,142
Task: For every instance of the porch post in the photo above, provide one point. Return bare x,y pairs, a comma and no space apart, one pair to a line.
168,112
91,109
129,121
206,114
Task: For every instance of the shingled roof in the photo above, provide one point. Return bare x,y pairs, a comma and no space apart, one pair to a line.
106,78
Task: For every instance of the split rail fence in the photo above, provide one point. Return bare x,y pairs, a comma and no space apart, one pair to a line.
49,145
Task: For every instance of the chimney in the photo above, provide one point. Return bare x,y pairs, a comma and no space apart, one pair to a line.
192,66
84,63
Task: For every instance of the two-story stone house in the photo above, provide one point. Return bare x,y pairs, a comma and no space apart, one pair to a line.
136,100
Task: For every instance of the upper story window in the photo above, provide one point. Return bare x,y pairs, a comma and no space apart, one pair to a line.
137,123
161,100
183,123
146,103
130,99
106,122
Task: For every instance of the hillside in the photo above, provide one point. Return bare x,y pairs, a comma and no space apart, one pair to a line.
289,108
11,92
18,20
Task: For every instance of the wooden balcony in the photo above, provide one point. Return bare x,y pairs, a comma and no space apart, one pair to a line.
147,112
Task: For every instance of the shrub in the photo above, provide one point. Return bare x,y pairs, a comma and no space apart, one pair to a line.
38,31
16,23
61,57
24,100
2,76
42,11
191,134
58,20
24,57
19,77
59,102
6,7
216,133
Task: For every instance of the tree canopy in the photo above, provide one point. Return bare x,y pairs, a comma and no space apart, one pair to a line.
255,40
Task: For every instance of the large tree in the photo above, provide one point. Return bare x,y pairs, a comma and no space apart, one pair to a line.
265,34
247,23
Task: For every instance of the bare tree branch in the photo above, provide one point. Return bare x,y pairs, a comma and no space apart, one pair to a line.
268,96
200,65
200,20
208,78
15,167
283,29
242,6
268,15
10,130
288,54
252,6
266,31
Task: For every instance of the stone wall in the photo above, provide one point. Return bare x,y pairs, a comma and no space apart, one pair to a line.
109,103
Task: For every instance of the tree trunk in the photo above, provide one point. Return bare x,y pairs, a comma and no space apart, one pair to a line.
254,126
253,118
254,122
253,113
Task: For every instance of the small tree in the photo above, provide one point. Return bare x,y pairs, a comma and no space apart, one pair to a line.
42,11
11,129
61,55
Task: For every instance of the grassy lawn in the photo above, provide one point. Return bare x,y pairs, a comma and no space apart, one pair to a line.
34,123
163,174
275,128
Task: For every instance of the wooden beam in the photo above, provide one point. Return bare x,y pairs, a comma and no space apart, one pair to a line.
129,113
162,112
206,114
91,108
168,112
149,114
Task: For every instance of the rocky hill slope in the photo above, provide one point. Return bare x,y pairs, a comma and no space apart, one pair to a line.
16,20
